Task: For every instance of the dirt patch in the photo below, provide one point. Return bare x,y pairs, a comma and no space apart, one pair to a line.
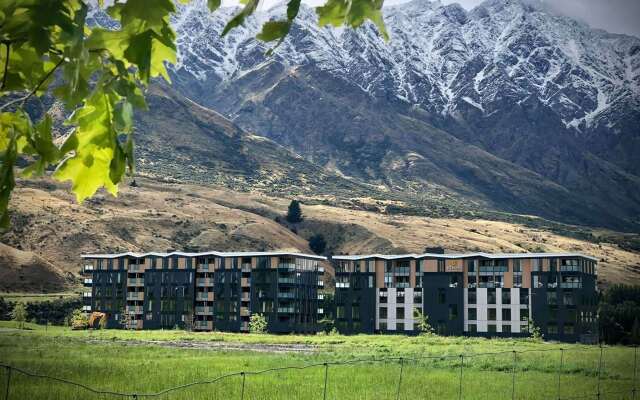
216,345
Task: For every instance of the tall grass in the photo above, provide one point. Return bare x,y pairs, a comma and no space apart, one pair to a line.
116,363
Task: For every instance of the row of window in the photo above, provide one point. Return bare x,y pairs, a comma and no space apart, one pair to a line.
472,296
492,313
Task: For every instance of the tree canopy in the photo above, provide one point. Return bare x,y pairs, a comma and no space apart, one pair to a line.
100,75
294,213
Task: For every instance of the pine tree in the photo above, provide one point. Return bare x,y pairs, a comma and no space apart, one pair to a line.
294,214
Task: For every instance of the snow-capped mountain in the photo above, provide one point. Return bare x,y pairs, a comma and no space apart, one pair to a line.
510,78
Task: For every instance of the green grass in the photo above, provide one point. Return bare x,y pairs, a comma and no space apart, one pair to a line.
117,360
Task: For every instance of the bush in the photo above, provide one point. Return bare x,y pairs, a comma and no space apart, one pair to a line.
78,320
317,243
422,321
257,324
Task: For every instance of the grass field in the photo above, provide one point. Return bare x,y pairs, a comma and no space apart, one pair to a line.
148,362
36,297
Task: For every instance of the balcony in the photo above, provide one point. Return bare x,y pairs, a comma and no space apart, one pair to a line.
321,270
245,282
204,296
320,311
245,268
320,283
136,282
86,294
287,267
135,267
286,295
87,268
134,309
86,308
286,310
244,327
245,297
244,312
204,310
200,282
202,267
203,325
320,296
287,281
135,296
88,281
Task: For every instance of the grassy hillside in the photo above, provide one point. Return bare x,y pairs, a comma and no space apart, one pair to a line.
156,216
144,362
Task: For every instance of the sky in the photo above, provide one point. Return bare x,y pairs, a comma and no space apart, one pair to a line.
618,16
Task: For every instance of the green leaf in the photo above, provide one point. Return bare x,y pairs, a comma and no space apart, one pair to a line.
95,140
213,4
352,13
249,8
41,144
293,7
274,30
123,117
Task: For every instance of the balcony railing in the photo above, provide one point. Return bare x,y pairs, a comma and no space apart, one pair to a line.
204,310
321,283
135,296
86,308
204,282
204,296
134,309
244,312
86,294
87,268
287,280
287,267
135,282
245,268
204,325
88,281
286,310
320,296
320,311
286,295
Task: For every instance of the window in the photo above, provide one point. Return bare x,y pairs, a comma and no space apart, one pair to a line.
417,297
472,314
355,312
506,314
441,267
340,311
524,314
442,296
491,328
453,312
383,313
491,296
524,296
517,267
506,328
383,297
552,329
492,314
552,298
473,328
471,297
400,326
400,313
569,299
383,326
569,329
506,296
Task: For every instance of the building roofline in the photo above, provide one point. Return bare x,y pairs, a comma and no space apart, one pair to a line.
206,253
459,255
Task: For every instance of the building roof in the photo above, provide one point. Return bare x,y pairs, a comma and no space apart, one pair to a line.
206,253
461,255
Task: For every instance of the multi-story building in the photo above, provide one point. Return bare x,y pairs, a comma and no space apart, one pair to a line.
205,291
468,294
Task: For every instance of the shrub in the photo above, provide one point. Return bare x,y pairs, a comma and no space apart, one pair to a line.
78,320
422,322
317,243
257,324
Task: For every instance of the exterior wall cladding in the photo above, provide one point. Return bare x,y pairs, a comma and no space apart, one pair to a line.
205,291
476,294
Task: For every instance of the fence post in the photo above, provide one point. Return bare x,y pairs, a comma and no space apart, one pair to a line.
560,370
6,393
460,386
326,375
635,371
600,370
242,391
513,383
400,378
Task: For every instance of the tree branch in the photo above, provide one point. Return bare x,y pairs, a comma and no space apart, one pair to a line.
6,66
24,99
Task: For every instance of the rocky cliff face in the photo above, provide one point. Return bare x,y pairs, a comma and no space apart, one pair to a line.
508,103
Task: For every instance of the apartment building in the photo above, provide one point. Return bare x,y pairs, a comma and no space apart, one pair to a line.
475,294
205,291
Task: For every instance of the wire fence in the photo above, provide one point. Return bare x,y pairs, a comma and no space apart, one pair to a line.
514,366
